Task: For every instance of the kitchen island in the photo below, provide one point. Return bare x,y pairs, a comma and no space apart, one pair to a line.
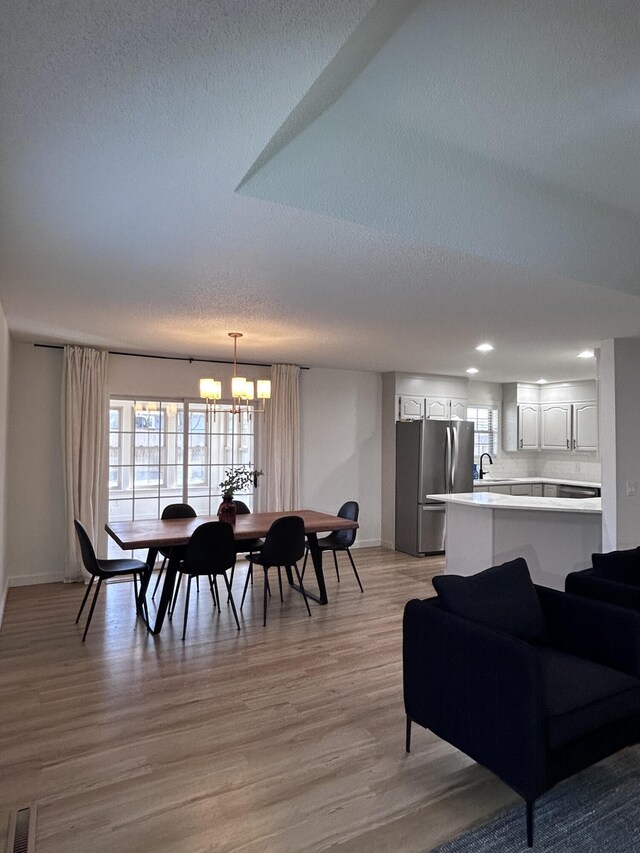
554,535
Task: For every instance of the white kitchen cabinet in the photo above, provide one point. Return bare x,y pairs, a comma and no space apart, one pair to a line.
521,489
555,426
500,490
458,409
550,490
410,408
585,426
445,408
536,490
528,426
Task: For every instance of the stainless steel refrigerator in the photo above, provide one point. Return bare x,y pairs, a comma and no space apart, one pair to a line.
432,457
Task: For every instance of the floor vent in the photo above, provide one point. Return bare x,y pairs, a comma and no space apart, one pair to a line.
22,830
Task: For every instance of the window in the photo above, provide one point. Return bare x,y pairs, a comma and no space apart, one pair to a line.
163,452
485,422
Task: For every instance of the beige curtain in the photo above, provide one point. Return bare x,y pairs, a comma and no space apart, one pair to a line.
85,441
280,442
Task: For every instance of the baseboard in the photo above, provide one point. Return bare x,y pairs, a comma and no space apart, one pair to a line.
3,600
29,580
365,543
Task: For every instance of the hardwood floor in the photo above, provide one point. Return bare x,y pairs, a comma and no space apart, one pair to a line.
284,738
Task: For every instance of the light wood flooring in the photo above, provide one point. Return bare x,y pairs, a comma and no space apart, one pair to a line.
284,738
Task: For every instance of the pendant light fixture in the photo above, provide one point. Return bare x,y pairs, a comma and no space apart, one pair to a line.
243,391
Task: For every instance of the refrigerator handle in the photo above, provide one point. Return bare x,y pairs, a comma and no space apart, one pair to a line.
448,461
454,457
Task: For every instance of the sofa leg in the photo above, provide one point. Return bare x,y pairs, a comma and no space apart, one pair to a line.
408,735
529,823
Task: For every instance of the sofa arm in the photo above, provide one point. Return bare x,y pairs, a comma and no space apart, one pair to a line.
611,589
478,689
592,629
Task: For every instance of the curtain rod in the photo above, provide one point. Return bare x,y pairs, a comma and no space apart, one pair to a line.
172,357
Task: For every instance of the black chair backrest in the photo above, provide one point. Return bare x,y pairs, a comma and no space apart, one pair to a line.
178,511
88,554
284,543
346,538
242,508
211,549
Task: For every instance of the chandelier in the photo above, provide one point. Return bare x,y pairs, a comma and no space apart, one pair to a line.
243,391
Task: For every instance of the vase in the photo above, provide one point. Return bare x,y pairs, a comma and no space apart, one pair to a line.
227,512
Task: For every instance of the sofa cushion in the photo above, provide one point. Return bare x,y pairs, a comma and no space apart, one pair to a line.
581,696
502,597
619,565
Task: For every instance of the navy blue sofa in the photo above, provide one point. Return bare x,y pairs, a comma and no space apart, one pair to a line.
532,683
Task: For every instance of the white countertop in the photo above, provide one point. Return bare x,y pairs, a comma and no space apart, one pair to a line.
491,481
491,500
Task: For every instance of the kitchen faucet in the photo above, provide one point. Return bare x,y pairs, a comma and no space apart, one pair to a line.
481,473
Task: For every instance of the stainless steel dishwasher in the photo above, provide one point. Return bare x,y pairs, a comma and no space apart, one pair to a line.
578,492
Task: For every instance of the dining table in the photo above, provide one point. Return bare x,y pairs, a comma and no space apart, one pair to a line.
156,533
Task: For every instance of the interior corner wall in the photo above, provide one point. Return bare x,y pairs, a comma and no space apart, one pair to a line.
4,428
619,385
340,444
35,514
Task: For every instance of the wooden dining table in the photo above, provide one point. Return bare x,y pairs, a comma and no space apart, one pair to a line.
157,533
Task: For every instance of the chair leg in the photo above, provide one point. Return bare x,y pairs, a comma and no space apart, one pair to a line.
145,609
186,608
304,594
407,739
197,583
335,562
530,823
264,600
213,592
280,581
215,589
160,573
84,600
233,571
230,599
246,584
304,564
175,595
93,606
355,571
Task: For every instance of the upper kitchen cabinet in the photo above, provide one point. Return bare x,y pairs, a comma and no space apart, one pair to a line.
555,426
410,408
520,417
528,426
585,426
561,416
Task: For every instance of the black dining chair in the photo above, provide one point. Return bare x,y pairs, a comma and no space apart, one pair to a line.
283,546
340,540
210,552
105,570
172,511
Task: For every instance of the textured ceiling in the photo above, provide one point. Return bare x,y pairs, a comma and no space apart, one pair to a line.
350,184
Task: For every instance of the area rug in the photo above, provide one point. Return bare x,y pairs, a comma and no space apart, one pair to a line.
596,811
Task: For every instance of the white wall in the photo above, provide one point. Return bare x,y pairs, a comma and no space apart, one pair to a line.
340,424
620,416
35,511
340,455
4,421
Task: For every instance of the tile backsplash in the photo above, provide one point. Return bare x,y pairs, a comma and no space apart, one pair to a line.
580,466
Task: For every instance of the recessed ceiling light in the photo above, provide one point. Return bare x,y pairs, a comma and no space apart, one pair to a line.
541,381
485,347
586,353
472,369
